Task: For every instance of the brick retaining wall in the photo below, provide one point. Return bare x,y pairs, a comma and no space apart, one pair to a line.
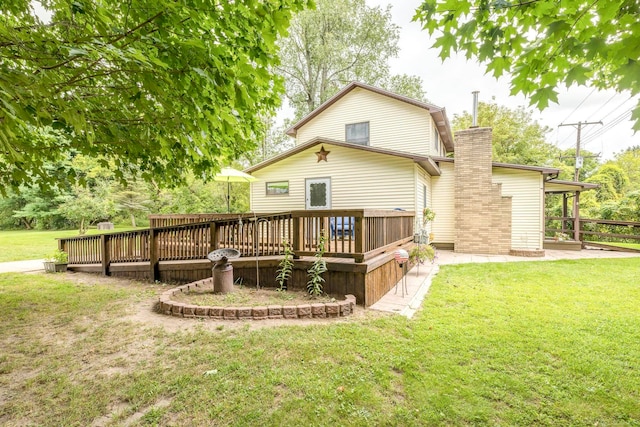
305,311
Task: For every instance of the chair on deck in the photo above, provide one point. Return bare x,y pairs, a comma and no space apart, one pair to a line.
342,225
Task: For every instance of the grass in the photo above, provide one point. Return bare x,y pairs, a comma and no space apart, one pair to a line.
538,343
623,245
31,244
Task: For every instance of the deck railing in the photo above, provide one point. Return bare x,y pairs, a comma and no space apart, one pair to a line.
359,234
167,220
601,230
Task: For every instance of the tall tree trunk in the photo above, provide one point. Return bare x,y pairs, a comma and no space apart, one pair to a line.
133,220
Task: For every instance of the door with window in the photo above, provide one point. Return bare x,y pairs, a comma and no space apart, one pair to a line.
318,193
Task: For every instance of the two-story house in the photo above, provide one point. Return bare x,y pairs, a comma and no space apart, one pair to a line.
370,148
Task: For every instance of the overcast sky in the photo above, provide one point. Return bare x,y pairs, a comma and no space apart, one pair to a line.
450,84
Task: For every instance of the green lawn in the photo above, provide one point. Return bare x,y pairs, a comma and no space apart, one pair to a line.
623,245
531,343
30,244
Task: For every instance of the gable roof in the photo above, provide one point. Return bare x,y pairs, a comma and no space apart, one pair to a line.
438,114
424,161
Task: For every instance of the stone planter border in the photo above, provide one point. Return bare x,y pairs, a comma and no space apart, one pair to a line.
305,311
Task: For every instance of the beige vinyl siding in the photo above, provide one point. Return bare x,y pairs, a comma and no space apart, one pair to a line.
527,220
422,179
393,124
358,180
443,204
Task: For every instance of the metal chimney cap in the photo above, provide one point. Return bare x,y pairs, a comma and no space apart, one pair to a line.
474,113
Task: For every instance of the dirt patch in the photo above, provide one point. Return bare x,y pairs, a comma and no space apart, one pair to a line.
251,297
142,311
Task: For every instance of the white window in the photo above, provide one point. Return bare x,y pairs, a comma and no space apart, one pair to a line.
357,133
436,140
278,188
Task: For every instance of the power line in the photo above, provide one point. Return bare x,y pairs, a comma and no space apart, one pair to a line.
613,123
579,105
603,105
589,133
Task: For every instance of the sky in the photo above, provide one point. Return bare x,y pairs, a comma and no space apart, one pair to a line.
450,84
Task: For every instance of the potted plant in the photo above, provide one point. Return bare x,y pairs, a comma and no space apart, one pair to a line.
420,253
560,237
56,262
422,234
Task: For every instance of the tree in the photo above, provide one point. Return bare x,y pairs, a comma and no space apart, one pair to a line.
567,161
612,181
629,161
40,207
131,200
543,44
517,138
86,206
406,85
150,85
274,141
338,42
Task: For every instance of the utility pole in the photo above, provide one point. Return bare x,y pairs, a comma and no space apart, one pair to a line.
576,177
579,159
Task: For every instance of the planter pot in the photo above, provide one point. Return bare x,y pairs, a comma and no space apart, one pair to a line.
52,267
420,238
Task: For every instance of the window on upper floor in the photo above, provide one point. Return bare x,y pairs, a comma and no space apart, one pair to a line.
357,133
436,140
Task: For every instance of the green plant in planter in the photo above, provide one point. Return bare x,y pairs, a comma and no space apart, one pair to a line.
421,253
421,233
427,216
58,257
319,266
56,262
286,267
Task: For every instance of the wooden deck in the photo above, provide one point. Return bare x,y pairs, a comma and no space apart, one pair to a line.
360,262
368,281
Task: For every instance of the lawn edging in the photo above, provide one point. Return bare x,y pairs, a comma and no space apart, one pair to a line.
167,306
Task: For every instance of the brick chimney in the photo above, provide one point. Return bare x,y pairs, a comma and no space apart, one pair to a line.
483,214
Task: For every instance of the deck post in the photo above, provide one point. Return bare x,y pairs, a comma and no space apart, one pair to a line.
105,245
576,217
153,255
297,237
360,237
214,236
565,211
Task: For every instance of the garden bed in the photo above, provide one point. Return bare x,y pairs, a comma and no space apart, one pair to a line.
196,300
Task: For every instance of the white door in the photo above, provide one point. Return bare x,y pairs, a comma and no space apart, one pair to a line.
318,193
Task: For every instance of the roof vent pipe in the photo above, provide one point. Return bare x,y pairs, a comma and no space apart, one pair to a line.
474,123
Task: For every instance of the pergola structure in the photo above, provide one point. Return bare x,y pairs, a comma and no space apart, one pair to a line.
569,189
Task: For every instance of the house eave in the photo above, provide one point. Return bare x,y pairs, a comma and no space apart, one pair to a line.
558,186
426,163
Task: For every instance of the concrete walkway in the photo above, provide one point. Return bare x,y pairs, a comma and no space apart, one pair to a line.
30,266
418,280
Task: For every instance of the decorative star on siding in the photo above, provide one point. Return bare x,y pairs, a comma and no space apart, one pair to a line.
322,154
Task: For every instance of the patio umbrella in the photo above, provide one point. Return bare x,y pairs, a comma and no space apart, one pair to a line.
230,175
